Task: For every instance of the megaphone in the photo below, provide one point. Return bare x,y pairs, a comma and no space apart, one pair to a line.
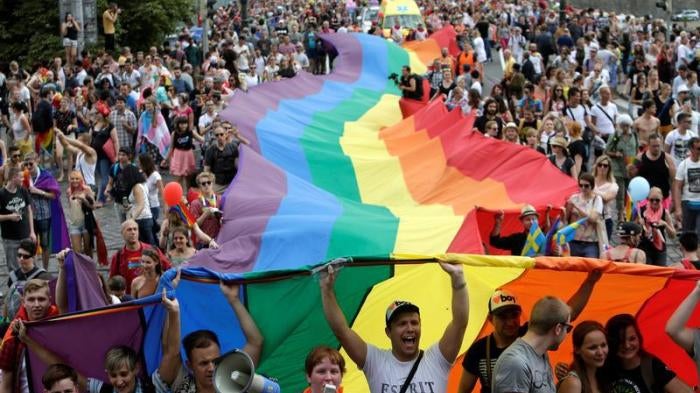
234,372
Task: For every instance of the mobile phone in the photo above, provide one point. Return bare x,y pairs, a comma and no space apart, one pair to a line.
328,388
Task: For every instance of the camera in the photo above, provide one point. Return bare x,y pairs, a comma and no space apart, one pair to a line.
394,77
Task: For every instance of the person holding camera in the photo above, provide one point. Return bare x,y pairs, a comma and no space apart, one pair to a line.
109,20
410,84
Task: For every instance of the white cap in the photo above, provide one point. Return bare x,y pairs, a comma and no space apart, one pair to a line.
683,88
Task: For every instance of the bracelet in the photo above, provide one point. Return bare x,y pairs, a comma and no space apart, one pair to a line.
460,286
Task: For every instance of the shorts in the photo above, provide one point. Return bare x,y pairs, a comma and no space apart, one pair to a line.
25,146
42,229
68,43
77,229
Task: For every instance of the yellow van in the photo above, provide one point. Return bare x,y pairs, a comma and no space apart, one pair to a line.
402,12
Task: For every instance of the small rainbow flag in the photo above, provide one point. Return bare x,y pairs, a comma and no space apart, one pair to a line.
184,213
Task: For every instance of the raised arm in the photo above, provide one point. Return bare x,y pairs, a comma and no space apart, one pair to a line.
676,325
61,299
355,346
451,340
171,362
254,339
77,146
578,300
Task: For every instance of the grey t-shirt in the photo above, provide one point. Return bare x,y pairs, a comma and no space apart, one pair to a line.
521,370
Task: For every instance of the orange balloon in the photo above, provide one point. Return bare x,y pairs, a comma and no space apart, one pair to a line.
172,193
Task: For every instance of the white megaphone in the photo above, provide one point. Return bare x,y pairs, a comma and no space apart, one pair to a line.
234,372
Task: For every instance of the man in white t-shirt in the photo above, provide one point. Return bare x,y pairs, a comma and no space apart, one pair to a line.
386,370
603,114
677,141
574,111
686,189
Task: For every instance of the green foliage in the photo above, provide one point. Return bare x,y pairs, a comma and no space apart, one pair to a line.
146,23
30,29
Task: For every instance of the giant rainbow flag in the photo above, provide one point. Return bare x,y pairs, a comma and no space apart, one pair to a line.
333,171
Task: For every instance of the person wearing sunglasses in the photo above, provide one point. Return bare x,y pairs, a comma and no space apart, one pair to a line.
206,207
628,362
658,225
607,188
19,277
589,205
524,366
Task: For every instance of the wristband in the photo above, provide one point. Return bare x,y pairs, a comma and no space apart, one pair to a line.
460,286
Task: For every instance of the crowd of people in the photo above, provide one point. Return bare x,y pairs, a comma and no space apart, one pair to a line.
103,126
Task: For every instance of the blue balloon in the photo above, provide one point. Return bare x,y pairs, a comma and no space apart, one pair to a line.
638,188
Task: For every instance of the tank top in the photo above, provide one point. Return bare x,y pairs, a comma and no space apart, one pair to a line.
146,212
656,172
625,258
71,32
87,170
18,130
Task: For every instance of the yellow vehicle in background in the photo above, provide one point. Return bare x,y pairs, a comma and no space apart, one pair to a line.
404,13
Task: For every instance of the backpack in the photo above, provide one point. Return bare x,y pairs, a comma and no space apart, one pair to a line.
120,189
14,295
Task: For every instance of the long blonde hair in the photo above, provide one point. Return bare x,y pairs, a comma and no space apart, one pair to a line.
600,159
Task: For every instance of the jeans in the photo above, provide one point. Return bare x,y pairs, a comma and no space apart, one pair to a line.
155,212
584,249
102,170
11,247
691,217
146,231
609,228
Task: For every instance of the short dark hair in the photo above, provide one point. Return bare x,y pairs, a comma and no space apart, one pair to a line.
121,98
683,116
646,104
116,283
199,339
28,245
58,372
689,241
125,149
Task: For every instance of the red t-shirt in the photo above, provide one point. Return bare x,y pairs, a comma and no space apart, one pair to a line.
212,224
127,263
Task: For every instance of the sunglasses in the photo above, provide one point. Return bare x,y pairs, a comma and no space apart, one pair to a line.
569,327
219,134
205,183
16,156
654,200
584,185
23,256
602,165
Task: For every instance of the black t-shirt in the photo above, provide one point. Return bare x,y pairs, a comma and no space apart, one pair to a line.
42,118
475,360
22,276
223,163
183,141
99,138
406,81
578,148
17,202
631,381
513,243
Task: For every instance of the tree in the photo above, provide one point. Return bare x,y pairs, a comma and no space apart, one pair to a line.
146,23
30,29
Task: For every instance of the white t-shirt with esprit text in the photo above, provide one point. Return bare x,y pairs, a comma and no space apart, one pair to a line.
385,374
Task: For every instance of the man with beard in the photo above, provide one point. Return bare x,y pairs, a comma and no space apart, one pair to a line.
387,370
504,315
524,365
491,113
